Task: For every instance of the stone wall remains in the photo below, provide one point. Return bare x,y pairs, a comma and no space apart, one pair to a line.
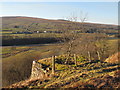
37,71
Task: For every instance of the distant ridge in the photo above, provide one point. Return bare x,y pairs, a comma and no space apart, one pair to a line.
52,19
41,24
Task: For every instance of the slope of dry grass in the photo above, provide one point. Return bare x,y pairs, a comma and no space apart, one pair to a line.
87,74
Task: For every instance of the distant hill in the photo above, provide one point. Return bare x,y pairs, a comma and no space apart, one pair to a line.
18,23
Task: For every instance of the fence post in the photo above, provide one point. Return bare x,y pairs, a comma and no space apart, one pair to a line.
98,54
89,56
75,59
53,64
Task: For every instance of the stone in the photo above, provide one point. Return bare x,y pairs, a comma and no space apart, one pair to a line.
39,72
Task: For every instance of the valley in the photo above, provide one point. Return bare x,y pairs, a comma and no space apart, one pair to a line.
25,39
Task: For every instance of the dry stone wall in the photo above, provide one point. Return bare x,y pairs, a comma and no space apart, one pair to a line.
41,70
37,71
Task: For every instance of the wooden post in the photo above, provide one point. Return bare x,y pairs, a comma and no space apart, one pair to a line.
98,54
89,57
53,64
75,59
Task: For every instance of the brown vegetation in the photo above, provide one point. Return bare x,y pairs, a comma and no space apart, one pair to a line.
84,47
94,74
114,58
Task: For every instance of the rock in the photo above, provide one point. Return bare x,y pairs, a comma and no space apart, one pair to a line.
37,70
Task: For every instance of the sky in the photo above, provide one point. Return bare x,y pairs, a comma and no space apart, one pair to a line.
97,12
59,0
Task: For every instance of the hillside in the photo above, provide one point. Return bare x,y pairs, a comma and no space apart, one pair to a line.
87,74
29,30
44,38
14,24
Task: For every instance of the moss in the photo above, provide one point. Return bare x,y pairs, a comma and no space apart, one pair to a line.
61,67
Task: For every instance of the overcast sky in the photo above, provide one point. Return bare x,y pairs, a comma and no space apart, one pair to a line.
100,12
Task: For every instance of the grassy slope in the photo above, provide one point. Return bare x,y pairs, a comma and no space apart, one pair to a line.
84,75
20,61
12,56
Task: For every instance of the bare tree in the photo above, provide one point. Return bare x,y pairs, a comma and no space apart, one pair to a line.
70,36
83,17
81,43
